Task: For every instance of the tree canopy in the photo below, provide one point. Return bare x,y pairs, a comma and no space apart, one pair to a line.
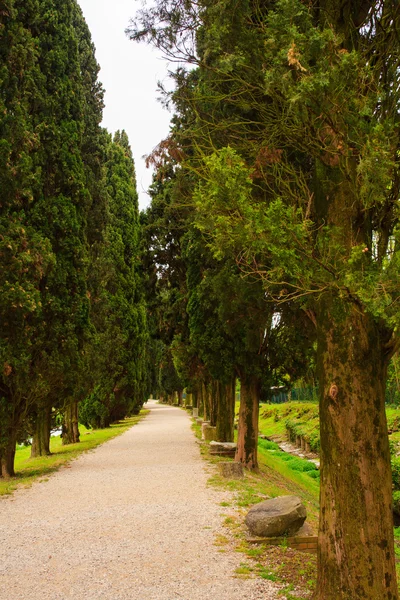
289,146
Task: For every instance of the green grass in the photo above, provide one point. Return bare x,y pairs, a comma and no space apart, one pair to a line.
275,563
28,470
299,478
397,552
302,418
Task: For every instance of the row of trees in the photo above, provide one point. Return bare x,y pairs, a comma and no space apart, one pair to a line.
72,310
273,232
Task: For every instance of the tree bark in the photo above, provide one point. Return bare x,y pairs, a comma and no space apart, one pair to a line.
70,429
41,435
211,399
180,397
225,411
195,398
356,548
203,402
247,443
7,455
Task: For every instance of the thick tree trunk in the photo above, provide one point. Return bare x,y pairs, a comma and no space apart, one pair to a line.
70,429
7,455
246,452
225,411
41,435
356,553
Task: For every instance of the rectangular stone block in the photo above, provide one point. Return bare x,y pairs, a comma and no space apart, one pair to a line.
209,432
227,449
231,470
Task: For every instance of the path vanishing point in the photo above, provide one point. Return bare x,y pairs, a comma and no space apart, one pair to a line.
132,519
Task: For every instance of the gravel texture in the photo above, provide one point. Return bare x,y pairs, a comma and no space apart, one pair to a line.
133,519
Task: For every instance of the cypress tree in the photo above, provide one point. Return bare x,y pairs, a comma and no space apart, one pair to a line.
26,254
119,345
49,199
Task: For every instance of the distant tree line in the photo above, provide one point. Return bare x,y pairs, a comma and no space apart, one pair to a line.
73,328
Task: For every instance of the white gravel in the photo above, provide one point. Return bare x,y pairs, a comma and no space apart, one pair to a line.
133,519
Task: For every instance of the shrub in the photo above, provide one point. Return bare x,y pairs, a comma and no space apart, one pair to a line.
267,445
396,472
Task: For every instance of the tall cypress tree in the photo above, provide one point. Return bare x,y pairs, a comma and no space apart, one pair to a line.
26,255
50,199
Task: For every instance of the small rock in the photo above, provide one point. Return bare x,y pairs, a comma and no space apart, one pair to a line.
279,516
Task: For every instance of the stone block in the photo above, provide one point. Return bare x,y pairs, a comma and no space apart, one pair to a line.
203,425
223,448
231,470
209,432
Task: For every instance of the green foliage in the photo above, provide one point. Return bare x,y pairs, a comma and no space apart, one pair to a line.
395,461
72,309
118,348
43,208
293,462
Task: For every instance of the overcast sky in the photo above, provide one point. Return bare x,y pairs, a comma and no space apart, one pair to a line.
129,73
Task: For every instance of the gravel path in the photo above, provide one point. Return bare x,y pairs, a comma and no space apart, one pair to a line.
132,519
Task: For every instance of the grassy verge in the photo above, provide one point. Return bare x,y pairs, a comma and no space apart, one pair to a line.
294,571
30,470
297,570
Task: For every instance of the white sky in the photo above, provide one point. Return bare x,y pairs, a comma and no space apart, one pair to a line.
129,73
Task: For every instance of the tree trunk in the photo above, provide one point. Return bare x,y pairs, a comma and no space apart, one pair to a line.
70,429
211,399
225,411
7,455
203,401
189,399
180,397
195,398
356,549
246,452
41,435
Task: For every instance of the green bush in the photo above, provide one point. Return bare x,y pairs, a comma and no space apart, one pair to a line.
267,445
396,503
396,472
